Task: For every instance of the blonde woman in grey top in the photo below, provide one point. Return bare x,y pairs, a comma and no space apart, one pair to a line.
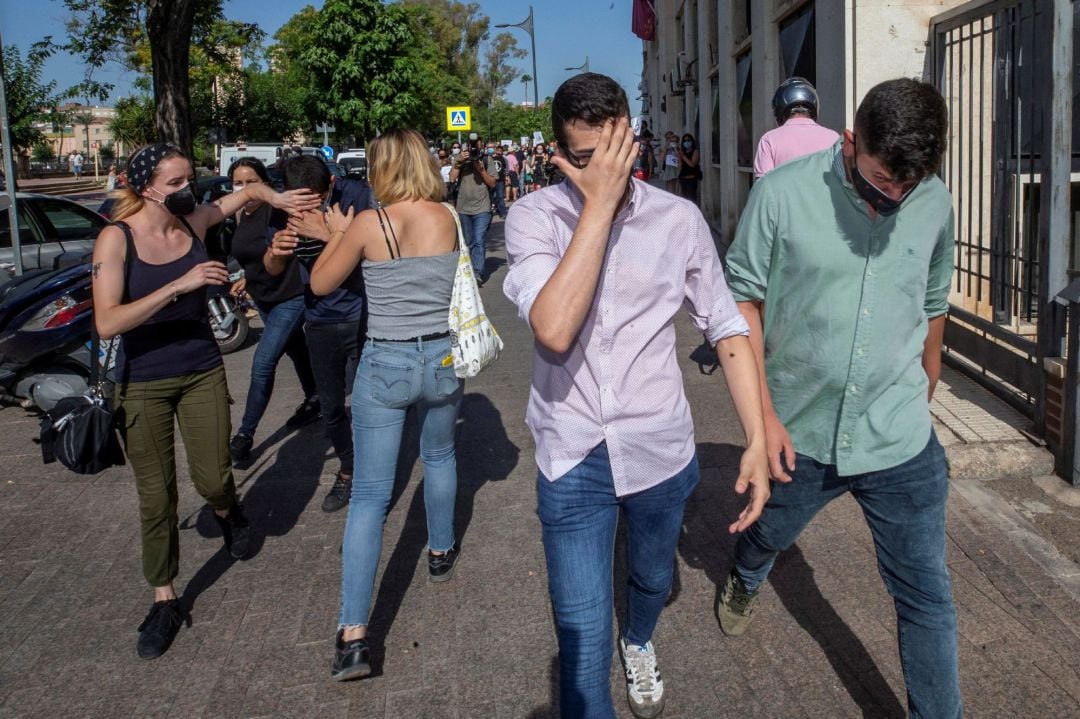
408,252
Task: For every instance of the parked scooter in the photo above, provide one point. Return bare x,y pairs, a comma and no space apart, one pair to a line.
44,327
45,318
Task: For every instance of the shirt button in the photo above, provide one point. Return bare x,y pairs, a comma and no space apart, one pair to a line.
853,389
859,351
866,312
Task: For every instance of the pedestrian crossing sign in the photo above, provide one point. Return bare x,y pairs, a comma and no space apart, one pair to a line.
457,118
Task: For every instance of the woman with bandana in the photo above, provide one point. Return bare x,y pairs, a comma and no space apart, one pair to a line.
151,270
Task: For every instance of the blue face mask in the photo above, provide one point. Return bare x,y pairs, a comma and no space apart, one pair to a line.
491,151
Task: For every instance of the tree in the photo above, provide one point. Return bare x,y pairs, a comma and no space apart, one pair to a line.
526,79
365,67
144,35
27,97
42,152
134,124
85,119
498,71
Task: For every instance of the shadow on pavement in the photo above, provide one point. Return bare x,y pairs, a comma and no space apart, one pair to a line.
484,454
792,579
551,710
273,501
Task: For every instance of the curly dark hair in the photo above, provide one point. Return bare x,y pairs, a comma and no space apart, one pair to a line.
590,97
903,123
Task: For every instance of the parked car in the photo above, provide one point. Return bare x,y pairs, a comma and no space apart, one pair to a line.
355,167
54,233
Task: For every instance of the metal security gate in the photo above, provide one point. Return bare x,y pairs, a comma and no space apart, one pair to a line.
993,64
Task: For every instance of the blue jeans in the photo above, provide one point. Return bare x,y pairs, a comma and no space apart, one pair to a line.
904,507
282,334
578,515
475,228
335,351
498,196
392,377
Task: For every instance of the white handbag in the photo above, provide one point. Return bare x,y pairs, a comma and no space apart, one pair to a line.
474,342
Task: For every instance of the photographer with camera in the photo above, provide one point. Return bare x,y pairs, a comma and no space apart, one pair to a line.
475,175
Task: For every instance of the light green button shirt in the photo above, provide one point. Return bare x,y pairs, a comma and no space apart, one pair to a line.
847,300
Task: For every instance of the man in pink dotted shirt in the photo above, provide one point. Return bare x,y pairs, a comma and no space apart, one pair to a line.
795,105
600,265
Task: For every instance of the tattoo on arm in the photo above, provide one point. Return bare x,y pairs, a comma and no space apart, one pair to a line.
96,269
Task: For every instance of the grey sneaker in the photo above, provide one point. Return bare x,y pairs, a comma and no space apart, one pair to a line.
736,606
644,687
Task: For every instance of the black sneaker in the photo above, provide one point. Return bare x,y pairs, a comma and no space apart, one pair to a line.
240,448
338,496
308,412
235,531
352,659
159,628
441,566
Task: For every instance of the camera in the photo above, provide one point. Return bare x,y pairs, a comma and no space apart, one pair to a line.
475,154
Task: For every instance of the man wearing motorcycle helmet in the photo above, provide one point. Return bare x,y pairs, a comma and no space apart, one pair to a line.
795,105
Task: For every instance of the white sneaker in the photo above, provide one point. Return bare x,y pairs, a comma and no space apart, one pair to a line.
644,687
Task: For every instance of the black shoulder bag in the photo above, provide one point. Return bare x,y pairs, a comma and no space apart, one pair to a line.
80,431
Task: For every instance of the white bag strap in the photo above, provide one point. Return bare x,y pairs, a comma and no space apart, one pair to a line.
457,221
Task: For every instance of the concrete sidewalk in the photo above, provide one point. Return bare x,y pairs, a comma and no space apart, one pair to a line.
823,643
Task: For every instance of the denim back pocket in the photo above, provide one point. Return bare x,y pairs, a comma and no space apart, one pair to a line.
392,376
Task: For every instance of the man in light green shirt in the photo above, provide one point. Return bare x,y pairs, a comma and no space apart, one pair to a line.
841,265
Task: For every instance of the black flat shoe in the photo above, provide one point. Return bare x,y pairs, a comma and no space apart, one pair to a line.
441,566
235,531
157,631
352,659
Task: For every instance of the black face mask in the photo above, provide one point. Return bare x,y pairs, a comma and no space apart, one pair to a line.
877,199
180,203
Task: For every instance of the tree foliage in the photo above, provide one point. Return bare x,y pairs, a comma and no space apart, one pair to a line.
362,65
28,98
133,124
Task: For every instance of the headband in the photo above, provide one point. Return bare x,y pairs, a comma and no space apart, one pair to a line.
142,164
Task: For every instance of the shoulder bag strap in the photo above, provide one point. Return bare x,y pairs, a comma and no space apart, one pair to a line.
459,242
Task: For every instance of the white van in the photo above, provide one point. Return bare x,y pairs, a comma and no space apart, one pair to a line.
267,152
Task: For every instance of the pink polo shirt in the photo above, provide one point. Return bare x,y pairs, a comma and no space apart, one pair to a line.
797,137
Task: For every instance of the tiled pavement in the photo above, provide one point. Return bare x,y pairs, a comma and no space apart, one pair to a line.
823,643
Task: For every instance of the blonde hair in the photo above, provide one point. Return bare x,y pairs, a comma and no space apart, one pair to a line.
400,168
128,202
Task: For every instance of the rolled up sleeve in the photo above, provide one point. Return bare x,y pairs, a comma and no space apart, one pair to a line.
941,271
750,257
531,253
709,301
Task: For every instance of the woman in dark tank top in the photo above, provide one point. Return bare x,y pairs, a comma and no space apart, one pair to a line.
280,301
150,275
408,251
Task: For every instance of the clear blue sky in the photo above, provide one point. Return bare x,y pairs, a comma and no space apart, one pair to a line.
566,31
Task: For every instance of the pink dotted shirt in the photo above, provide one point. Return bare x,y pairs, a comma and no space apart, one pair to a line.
797,137
620,381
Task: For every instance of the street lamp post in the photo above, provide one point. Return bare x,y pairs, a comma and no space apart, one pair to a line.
583,67
527,26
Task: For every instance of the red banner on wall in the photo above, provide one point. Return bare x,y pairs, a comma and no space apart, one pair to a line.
644,21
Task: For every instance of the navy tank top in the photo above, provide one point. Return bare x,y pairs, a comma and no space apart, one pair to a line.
177,340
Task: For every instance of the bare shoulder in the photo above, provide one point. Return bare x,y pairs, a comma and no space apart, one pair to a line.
110,241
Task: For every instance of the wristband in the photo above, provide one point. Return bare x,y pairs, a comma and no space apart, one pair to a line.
176,292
